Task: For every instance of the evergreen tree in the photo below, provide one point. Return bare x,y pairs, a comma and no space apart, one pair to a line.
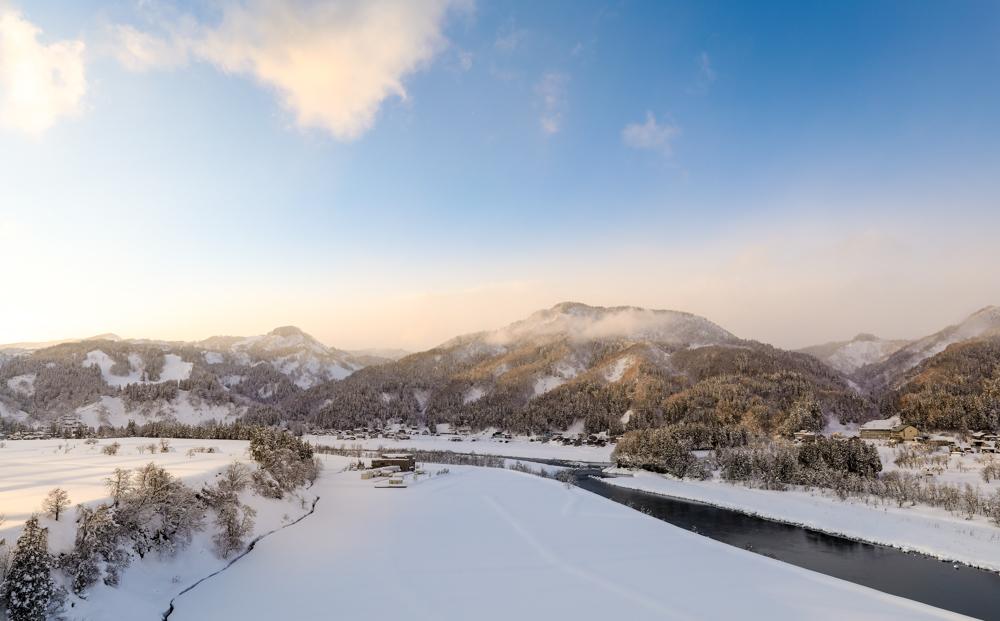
28,589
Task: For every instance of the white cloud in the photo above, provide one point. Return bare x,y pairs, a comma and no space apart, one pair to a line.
39,83
551,90
332,64
650,135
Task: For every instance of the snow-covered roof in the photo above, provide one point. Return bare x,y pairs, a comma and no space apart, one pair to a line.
886,424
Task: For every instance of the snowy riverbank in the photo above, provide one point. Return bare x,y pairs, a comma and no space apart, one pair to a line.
930,531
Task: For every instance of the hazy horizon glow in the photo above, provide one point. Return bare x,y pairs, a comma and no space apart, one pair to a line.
387,174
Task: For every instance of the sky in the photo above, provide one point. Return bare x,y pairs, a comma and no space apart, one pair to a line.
392,174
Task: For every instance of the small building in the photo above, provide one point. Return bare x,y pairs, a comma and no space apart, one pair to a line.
879,429
904,433
405,461
803,436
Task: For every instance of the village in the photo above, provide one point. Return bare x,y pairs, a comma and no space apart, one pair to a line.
892,431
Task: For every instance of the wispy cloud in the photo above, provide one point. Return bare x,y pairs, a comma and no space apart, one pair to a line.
509,38
551,90
705,65
39,83
331,64
650,135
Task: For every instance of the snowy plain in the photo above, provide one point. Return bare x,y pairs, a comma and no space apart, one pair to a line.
496,545
30,468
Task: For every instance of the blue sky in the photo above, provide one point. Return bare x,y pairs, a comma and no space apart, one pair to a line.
795,171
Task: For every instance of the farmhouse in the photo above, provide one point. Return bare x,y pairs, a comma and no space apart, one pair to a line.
889,429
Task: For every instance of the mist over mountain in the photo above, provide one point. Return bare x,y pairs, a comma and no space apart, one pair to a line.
849,356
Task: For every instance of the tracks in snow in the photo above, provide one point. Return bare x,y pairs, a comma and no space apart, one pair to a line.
250,547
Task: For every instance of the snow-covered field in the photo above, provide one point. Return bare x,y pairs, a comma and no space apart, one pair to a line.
474,543
483,445
924,529
29,469
491,544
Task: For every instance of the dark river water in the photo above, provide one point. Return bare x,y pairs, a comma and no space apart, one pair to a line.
965,590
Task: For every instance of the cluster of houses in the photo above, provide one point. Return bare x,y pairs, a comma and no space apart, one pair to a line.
894,431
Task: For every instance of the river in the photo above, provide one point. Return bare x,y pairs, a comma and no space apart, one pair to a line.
964,590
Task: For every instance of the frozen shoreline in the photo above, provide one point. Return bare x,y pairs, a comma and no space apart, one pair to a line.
925,530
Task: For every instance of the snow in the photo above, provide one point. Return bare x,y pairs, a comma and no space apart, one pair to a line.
214,357
927,530
858,353
885,424
23,384
104,362
175,369
112,411
106,411
483,445
33,467
496,545
833,425
7,411
422,397
626,417
473,394
575,429
546,383
616,371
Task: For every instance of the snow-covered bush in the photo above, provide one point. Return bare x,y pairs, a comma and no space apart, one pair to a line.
98,553
284,462
159,512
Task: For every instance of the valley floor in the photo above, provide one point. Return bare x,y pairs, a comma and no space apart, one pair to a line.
923,529
491,544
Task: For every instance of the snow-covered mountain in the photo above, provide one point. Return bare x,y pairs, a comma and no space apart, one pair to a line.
588,366
849,356
292,352
981,324
109,381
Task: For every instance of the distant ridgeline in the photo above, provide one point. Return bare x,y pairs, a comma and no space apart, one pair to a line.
611,369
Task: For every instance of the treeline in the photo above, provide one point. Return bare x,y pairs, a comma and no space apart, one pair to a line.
823,462
749,459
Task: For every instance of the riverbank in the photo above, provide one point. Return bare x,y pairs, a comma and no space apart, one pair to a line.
929,531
